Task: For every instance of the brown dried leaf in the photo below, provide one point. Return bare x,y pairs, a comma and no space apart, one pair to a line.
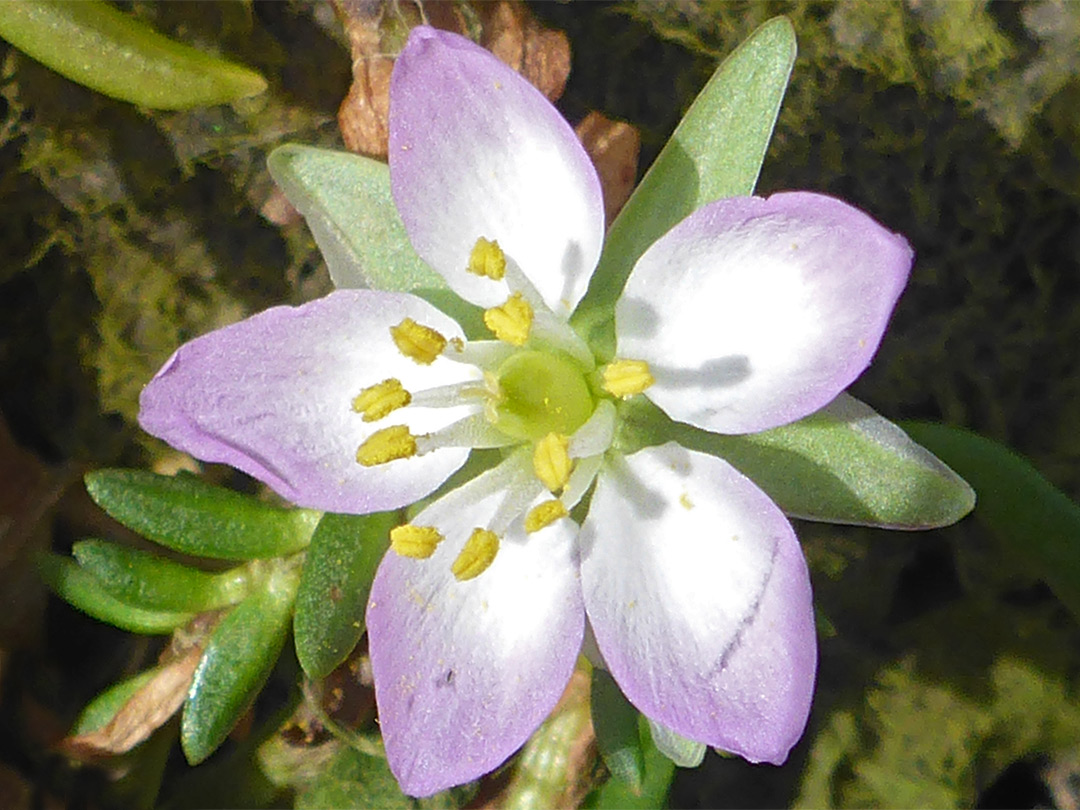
146,711
614,147
374,29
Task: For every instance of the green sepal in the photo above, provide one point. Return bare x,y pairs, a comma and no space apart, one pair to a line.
98,46
615,794
338,569
715,152
347,203
615,722
85,592
842,464
353,779
103,708
1024,510
682,752
149,581
188,515
239,657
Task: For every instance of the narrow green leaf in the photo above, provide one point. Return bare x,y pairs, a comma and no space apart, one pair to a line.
615,794
346,201
338,569
1031,516
96,45
682,752
616,724
82,590
147,580
99,711
843,464
188,515
238,659
715,152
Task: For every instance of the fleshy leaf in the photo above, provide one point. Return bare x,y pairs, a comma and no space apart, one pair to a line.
84,591
94,44
237,661
843,464
340,565
1028,514
150,581
188,515
346,201
715,152
103,708
616,724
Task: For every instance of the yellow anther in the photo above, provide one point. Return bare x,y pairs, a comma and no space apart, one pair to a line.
551,461
543,515
487,259
417,542
388,444
624,378
479,552
422,343
378,400
512,321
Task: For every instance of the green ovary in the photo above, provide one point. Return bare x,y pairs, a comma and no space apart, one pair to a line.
542,393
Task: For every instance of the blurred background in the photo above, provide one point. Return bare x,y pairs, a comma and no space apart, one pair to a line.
948,674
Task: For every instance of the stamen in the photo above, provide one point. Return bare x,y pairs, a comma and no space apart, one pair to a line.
512,321
422,343
581,479
544,515
479,552
473,431
624,378
551,461
380,399
418,542
487,259
388,444
596,434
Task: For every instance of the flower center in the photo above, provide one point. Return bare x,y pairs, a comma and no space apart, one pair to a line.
542,393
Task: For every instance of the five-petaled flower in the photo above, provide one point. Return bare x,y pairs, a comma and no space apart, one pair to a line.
749,314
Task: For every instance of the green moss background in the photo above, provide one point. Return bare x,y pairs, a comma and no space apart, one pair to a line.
948,673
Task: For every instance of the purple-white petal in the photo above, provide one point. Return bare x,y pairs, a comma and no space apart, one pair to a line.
755,312
272,396
466,671
477,151
699,599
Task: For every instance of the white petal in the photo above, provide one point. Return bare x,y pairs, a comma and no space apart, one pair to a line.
699,600
466,671
753,312
476,151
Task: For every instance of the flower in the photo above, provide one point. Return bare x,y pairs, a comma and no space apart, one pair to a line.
749,314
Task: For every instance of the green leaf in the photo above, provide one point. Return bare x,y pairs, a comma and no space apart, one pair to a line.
615,794
237,661
147,580
94,44
682,752
1016,503
338,569
715,152
616,724
188,515
82,590
352,779
843,464
346,201
99,711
